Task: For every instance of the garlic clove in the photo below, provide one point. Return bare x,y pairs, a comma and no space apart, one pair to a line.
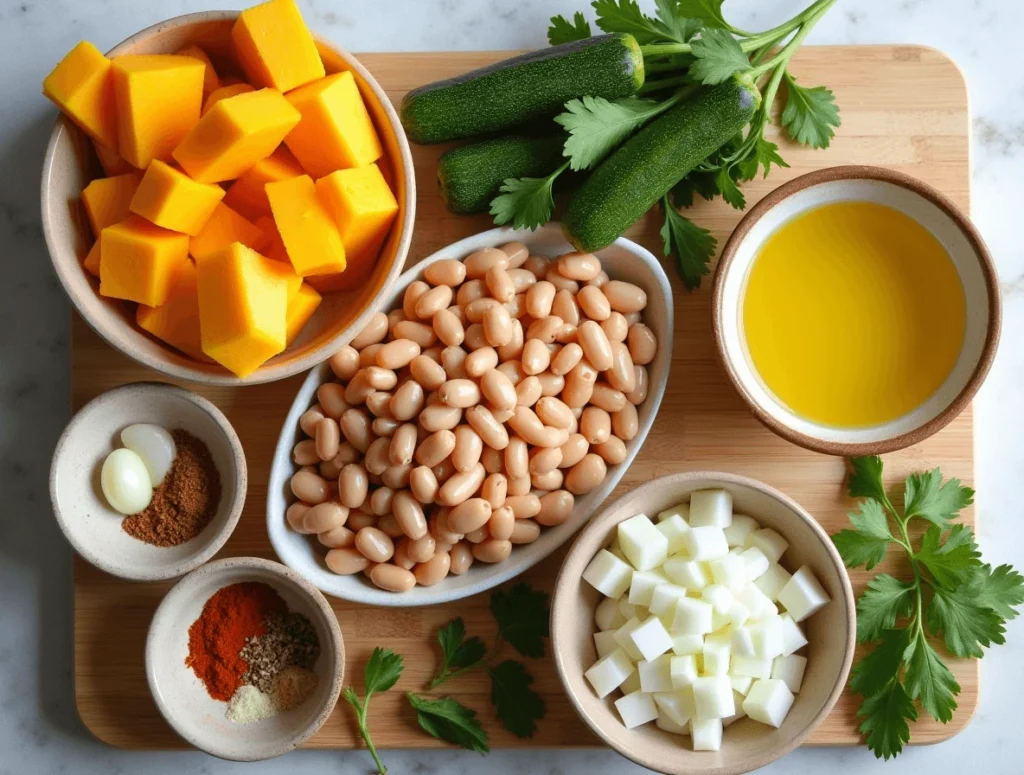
154,445
125,482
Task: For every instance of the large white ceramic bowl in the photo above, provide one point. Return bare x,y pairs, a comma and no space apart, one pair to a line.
622,260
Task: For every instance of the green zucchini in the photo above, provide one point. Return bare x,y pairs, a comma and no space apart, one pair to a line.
527,87
471,175
628,183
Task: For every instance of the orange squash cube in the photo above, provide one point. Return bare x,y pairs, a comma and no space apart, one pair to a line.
107,200
248,194
140,261
362,206
158,101
176,321
170,198
336,131
112,162
223,93
224,227
235,134
301,306
91,262
82,87
242,308
274,46
309,233
268,235
211,81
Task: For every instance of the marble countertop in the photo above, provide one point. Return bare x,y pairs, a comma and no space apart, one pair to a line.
39,728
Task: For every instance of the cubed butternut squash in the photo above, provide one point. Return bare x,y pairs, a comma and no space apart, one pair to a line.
235,134
309,233
107,200
336,131
224,227
242,308
112,162
170,198
176,321
223,93
140,261
211,81
274,46
81,85
158,100
301,306
363,208
268,235
248,194
91,262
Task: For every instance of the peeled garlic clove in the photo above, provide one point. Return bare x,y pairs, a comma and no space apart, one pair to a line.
154,445
125,482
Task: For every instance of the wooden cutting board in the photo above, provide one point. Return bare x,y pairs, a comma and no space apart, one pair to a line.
903,107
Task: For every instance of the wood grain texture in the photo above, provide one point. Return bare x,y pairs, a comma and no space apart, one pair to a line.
903,107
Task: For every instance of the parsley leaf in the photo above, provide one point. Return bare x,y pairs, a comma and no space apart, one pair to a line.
522,615
810,114
564,31
929,680
526,203
458,653
518,706
952,562
381,672
867,543
965,624
880,665
625,16
718,55
707,11
678,25
866,479
447,719
885,715
596,126
883,602
767,154
692,246
730,191
697,182
927,497
998,589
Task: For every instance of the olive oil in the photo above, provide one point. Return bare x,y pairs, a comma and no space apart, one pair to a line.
853,314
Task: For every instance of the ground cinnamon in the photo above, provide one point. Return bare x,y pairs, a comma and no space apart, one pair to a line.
185,502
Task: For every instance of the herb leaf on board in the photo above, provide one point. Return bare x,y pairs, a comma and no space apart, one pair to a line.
523,618
692,246
450,720
811,114
518,706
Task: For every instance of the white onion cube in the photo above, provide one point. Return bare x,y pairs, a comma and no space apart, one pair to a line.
706,734
789,670
636,708
768,541
803,595
656,674
751,667
793,638
717,653
706,543
737,698
712,697
710,508
641,588
730,571
742,642
773,580
756,563
757,602
643,544
740,530
687,644
680,510
719,621
674,529
651,638
686,573
605,643
616,549
608,673
665,724
607,615
676,705
737,615
631,684
719,596
628,610
767,636
608,574
682,670
692,617
768,701
663,601
622,637
741,684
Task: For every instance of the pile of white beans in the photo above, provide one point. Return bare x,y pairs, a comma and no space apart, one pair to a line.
468,419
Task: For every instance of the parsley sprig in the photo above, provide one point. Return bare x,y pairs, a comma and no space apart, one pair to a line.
381,672
953,598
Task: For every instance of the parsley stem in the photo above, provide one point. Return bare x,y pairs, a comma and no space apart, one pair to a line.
664,83
365,733
783,57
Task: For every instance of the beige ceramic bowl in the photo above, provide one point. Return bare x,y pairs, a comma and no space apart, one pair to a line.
183,699
931,209
70,164
92,527
746,745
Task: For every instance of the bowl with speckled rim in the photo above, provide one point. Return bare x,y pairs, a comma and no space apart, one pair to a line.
70,164
746,744
181,696
92,527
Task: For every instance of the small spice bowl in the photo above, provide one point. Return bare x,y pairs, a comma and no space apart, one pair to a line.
93,527
183,699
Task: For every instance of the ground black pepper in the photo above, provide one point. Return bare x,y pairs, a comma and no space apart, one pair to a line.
290,640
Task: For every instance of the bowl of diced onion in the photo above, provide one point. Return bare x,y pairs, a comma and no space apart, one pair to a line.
703,624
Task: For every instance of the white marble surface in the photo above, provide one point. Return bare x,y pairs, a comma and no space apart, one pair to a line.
39,729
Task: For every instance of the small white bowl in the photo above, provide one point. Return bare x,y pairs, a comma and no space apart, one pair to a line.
93,527
622,260
932,210
181,696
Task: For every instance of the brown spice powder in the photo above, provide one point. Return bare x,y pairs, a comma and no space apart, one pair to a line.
187,500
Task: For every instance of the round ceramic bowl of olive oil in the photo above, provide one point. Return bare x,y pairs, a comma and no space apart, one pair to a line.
856,310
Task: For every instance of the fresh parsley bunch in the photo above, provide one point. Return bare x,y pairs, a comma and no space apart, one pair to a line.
953,599
686,45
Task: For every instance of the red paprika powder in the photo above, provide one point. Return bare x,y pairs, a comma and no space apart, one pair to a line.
215,640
